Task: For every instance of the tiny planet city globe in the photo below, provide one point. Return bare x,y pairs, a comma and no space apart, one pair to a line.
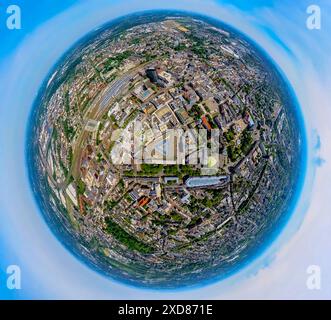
165,149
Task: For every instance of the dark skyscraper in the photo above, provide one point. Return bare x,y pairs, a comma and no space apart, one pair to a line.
152,75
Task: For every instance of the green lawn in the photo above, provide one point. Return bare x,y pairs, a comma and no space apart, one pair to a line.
128,240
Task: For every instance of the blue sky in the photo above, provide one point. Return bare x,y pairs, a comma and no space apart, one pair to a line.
33,15
27,55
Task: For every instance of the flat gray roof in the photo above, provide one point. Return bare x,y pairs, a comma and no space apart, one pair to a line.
207,181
